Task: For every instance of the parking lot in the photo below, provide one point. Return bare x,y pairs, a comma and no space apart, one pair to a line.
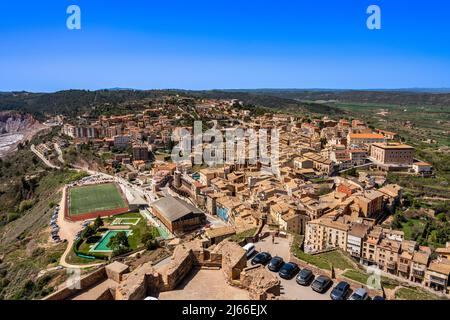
290,290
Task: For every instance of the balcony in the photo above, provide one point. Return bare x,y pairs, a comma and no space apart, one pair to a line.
438,281
391,265
403,268
418,273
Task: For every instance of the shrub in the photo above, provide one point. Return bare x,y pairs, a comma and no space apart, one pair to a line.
25,205
88,232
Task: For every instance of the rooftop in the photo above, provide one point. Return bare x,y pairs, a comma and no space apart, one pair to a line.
174,208
393,146
366,136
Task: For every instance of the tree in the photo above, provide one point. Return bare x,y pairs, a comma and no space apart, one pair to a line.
148,239
98,223
89,231
442,217
119,242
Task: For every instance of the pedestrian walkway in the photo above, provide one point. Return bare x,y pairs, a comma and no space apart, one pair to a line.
163,232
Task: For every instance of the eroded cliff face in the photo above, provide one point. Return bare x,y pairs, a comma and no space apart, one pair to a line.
12,122
15,128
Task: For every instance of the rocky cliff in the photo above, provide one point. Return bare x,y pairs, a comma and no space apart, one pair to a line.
12,122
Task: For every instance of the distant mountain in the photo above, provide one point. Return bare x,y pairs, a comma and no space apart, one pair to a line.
120,89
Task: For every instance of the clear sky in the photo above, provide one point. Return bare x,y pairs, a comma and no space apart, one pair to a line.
198,44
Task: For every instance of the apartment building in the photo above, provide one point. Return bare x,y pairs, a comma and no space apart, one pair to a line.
320,163
422,168
325,233
364,138
404,264
437,276
293,222
358,156
444,253
370,203
419,266
386,255
303,163
122,141
79,132
355,238
369,247
392,154
140,152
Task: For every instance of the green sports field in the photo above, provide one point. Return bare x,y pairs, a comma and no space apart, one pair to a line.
100,197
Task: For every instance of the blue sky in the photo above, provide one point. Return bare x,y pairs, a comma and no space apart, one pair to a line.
197,44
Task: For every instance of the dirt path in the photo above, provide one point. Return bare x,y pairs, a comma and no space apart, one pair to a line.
44,159
68,230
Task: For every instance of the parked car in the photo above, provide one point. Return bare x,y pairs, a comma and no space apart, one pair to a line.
275,264
378,298
359,294
305,277
321,284
341,291
289,270
250,248
261,258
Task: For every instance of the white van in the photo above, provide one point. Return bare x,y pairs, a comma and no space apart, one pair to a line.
250,248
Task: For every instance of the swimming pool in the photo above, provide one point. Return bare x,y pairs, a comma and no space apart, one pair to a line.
102,245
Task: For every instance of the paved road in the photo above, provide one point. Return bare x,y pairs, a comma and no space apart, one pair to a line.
59,151
44,159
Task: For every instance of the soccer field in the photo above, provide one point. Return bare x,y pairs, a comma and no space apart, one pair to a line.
100,197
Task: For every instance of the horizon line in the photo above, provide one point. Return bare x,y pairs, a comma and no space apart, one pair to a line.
406,89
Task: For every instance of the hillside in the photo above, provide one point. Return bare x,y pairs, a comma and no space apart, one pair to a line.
75,102
28,193
401,97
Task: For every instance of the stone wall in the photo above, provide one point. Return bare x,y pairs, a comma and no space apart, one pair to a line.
227,255
108,295
115,271
234,259
355,285
303,264
261,284
177,270
137,284
85,283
